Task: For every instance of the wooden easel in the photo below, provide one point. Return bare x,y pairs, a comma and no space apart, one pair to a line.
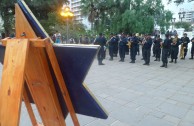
26,61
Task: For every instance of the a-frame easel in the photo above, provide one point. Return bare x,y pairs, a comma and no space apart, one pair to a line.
26,61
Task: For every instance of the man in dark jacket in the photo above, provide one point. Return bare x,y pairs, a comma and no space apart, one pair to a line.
175,49
134,45
185,40
157,42
192,48
165,50
122,46
111,44
147,44
102,42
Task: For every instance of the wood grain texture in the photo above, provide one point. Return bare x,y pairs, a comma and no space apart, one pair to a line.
13,81
61,82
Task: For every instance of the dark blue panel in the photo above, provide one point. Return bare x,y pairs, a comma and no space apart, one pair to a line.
74,62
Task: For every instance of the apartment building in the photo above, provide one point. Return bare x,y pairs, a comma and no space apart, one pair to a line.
75,6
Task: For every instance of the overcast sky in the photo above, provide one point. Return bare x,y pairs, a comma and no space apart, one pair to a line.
175,9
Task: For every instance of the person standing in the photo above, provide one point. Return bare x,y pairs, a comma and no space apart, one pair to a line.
174,49
58,37
147,44
111,43
102,42
185,40
115,52
192,48
122,46
157,42
165,50
133,51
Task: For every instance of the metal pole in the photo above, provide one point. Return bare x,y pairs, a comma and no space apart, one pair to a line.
67,30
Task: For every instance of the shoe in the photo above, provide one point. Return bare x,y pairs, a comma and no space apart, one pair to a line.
171,61
182,58
156,60
165,65
162,65
101,64
175,61
191,58
146,64
132,61
111,59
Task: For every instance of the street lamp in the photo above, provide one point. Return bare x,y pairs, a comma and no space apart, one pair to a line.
173,21
67,14
181,15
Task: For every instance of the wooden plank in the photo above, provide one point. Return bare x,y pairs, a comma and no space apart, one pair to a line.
33,42
61,82
29,108
13,81
22,25
41,86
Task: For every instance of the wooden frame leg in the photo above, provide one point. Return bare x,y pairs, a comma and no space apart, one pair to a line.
61,82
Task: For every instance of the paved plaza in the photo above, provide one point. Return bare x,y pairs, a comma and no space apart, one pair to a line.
138,95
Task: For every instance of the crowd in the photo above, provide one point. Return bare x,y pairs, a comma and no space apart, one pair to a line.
162,48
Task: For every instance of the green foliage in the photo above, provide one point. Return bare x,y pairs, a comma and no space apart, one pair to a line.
126,15
186,25
40,8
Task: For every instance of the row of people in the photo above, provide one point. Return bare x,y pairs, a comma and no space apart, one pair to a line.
168,47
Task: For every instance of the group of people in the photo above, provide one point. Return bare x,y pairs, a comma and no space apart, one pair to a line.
123,44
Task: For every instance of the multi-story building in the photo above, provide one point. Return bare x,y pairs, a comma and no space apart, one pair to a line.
186,16
75,6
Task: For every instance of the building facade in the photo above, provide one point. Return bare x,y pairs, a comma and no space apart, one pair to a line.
75,6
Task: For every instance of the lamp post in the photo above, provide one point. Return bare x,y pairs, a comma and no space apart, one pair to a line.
181,15
173,21
67,14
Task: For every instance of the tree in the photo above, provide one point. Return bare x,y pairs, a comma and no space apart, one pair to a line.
127,15
39,7
186,25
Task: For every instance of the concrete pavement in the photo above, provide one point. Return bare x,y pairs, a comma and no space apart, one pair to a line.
138,95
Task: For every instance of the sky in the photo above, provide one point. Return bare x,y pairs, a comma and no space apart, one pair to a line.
175,9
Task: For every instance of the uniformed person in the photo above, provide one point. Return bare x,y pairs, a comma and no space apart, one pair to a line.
102,42
147,44
115,52
185,40
111,44
157,42
192,48
122,45
134,46
174,48
165,49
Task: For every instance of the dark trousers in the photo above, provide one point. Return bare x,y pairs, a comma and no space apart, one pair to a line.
174,52
133,53
154,50
101,55
192,51
146,56
115,52
185,51
111,49
165,55
122,52
158,52
127,50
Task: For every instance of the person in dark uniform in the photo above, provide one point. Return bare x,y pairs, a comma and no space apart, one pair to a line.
139,41
185,40
133,50
165,50
157,42
102,42
122,45
174,49
111,44
147,44
154,48
192,48
115,52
